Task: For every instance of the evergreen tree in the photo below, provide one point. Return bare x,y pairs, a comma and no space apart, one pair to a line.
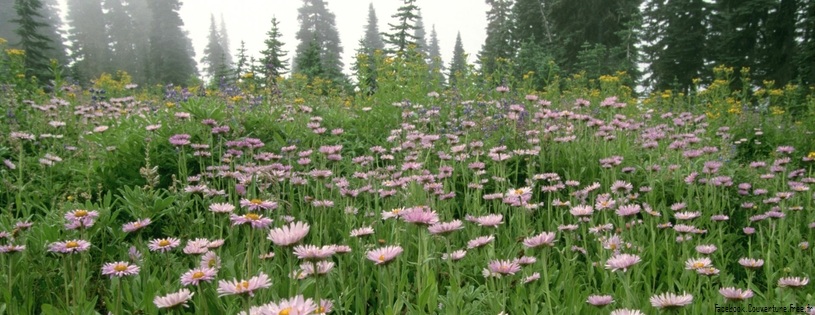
309,62
531,21
373,39
434,55
805,60
214,54
142,19
51,17
402,34
32,41
242,63
419,34
612,24
272,60
225,43
676,42
459,63
121,34
317,23
499,35
759,34
89,41
170,48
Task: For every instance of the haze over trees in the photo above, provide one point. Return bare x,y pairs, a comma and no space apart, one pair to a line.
658,44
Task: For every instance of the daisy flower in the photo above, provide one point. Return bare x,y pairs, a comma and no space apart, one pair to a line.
480,241
221,207
622,261
625,311
296,305
254,220
384,255
258,204
289,235
455,255
135,226
545,238
69,247
445,227
173,299
119,269
197,275
210,260
491,220
792,282
733,294
363,231
236,287
504,267
670,300
311,252
600,300
164,244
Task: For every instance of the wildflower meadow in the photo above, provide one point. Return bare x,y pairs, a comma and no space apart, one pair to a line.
578,197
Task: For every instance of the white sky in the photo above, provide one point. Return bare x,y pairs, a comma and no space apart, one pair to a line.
249,20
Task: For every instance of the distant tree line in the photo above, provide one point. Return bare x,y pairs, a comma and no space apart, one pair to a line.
658,43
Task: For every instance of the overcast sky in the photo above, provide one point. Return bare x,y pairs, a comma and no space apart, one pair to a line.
249,20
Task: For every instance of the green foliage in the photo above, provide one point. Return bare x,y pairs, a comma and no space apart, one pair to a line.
32,41
402,35
272,57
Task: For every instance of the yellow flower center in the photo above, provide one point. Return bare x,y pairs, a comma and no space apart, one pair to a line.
320,310
396,211
382,258
519,191
285,311
252,216
163,243
120,268
613,246
242,286
211,263
137,224
698,265
255,201
198,275
72,244
80,213
604,203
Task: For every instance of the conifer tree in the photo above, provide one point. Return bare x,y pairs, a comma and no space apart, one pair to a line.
32,41
373,39
402,34
225,43
499,35
241,65
90,44
317,23
214,54
459,63
171,54
7,27
51,17
272,58
675,46
419,34
434,56
309,61
121,35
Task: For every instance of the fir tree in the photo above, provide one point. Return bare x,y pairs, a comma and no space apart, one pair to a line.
499,35
402,34
121,35
309,61
242,63
373,39
214,55
51,17
805,60
434,55
142,19
676,43
7,14
317,23
459,63
32,41
419,34
225,43
89,41
170,48
272,60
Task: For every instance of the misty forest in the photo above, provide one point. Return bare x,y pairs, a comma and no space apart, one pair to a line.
621,157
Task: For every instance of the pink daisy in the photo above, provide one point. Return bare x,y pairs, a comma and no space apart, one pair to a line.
210,260
622,261
670,300
625,311
69,247
258,204
289,235
456,255
311,252
197,275
221,207
362,231
421,216
445,227
480,241
545,238
384,255
254,220
135,226
492,220
119,269
164,244
792,282
733,294
504,267
236,287
297,305
600,300
173,299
